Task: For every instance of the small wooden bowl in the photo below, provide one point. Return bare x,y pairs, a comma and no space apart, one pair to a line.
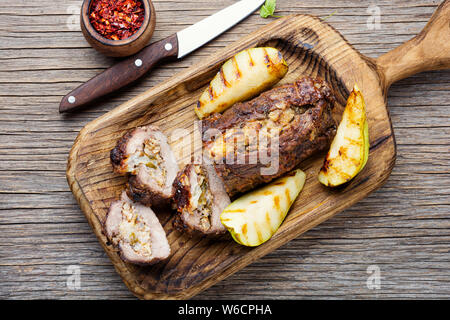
119,48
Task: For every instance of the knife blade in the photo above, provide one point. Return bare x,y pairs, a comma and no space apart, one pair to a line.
175,46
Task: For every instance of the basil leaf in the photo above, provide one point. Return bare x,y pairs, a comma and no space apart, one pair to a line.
268,8
264,12
270,4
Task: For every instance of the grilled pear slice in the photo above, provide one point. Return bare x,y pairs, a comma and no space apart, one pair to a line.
242,77
256,216
349,150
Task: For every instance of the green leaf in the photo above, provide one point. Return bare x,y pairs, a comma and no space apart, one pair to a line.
271,4
264,12
268,8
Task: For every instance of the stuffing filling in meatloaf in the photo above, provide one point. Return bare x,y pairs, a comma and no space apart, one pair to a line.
150,157
133,230
201,199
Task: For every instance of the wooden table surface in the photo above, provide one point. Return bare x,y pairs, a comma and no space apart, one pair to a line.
403,228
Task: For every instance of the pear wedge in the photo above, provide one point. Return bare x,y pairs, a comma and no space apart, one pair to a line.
256,216
242,77
349,150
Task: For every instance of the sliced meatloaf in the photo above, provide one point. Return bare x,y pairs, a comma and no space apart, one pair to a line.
135,230
146,156
200,198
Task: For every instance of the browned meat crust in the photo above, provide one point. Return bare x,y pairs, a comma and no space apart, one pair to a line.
118,154
305,124
181,192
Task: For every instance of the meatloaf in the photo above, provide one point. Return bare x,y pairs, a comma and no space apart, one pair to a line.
200,198
135,230
144,154
294,119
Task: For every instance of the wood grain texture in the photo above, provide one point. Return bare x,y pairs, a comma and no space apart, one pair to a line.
402,228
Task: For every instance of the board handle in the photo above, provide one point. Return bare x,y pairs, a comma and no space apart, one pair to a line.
429,50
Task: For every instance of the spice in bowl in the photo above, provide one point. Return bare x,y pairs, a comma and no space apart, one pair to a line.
116,19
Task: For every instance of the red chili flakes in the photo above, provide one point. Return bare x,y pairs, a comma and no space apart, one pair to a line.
116,19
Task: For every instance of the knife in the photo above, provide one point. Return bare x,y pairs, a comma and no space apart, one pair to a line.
174,46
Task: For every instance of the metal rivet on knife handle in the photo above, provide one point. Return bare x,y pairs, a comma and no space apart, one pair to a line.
168,46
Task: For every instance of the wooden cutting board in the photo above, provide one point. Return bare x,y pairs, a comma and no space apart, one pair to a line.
311,47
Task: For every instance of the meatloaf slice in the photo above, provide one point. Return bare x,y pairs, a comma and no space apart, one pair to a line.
299,115
135,230
200,198
145,154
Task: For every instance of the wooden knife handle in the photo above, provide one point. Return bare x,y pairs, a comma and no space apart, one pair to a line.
429,50
121,74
